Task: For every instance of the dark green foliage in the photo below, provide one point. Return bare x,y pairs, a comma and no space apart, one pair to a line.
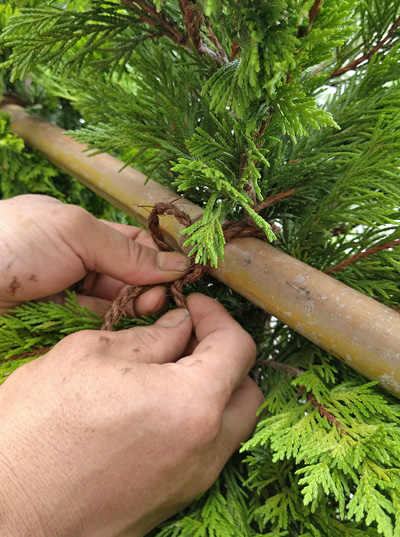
33,329
261,98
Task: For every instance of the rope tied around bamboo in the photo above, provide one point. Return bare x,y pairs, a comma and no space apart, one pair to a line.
231,230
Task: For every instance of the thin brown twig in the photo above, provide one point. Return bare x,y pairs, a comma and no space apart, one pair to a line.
263,126
242,165
355,63
314,12
235,47
296,372
280,366
273,199
217,44
361,255
36,352
312,15
325,414
192,20
157,19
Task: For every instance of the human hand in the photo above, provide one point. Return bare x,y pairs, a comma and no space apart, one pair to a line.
109,434
47,246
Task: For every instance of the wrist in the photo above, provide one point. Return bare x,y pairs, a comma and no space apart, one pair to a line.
28,501
17,515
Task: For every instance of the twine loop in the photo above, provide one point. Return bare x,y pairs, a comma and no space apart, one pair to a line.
239,229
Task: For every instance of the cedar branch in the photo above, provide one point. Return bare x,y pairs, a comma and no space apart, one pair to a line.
280,366
367,55
325,414
36,352
223,58
157,19
264,125
312,15
273,199
296,372
361,255
192,20
235,47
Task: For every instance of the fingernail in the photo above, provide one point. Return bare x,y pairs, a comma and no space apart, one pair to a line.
173,261
173,318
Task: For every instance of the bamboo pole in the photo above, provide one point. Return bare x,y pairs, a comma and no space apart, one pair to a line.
354,328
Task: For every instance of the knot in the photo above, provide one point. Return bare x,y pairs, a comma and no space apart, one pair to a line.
232,230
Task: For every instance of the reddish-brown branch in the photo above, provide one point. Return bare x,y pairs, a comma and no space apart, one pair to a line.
296,372
235,47
314,12
213,38
157,19
367,55
273,199
262,129
36,352
361,255
263,126
312,15
192,20
242,165
11,99
325,414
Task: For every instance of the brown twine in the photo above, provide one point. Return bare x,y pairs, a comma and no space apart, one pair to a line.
231,230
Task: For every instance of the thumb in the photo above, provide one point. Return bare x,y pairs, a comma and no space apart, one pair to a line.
106,250
163,342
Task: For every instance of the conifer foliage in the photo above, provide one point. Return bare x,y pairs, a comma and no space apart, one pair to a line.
282,111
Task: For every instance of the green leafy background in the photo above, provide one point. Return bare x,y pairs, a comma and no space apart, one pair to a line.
270,114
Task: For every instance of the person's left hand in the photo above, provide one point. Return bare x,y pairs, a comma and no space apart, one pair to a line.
47,246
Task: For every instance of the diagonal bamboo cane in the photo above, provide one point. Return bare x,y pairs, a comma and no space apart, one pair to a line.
354,328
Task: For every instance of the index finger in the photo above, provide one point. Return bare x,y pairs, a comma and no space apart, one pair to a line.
133,232
225,353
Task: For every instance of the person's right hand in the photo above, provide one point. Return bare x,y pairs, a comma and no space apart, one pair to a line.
111,433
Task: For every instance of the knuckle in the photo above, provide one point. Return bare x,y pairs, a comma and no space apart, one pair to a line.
148,336
205,424
136,253
249,348
78,217
79,341
144,236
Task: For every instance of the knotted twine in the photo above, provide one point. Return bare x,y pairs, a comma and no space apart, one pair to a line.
231,230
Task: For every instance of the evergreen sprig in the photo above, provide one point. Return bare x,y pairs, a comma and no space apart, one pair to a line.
70,39
22,171
31,329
